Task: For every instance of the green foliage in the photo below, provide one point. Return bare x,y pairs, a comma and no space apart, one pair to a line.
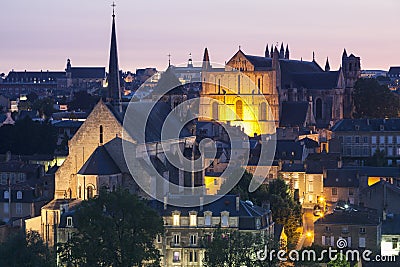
26,250
339,262
114,229
45,106
285,210
372,100
27,137
233,248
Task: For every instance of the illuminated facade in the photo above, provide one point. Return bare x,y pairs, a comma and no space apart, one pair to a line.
242,95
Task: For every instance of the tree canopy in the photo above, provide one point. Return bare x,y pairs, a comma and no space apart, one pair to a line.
27,250
372,100
114,229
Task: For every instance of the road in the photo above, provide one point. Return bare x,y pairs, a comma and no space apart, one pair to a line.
307,238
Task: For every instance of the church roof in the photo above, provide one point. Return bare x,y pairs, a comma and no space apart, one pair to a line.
99,163
293,114
88,72
317,80
260,63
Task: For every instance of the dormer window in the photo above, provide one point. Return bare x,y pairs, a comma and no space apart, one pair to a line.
207,218
176,218
69,221
192,218
224,219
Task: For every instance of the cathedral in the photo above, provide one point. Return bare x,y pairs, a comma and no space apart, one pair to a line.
295,93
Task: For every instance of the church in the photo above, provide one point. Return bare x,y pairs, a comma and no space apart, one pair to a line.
290,89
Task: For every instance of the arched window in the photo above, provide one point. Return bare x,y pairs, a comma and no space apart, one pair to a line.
219,86
263,111
215,114
101,134
69,193
89,192
318,108
19,195
80,192
239,109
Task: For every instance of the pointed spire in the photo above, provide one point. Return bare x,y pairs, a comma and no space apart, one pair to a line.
287,52
206,60
313,56
282,52
114,90
266,54
344,53
327,66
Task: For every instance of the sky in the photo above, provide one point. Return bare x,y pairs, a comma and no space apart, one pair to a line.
42,34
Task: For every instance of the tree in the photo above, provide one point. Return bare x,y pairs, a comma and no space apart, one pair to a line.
339,261
372,100
285,210
233,248
45,106
114,229
28,250
378,159
83,101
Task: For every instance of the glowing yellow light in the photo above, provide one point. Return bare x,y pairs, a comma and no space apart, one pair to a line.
309,234
322,199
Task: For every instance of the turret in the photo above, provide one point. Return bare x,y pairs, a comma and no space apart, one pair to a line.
287,52
206,60
266,54
327,66
282,52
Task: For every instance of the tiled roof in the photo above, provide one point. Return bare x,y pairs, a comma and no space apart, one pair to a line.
99,163
349,218
288,150
294,114
341,178
367,125
88,72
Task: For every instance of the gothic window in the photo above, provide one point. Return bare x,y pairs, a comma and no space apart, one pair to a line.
219,86
101,134
259,85
89,192
318,108
215,111
263,111
80,192
239,109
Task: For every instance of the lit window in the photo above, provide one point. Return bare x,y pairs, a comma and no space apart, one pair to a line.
193,219
19,195
177,256
176,219
207,219
361,242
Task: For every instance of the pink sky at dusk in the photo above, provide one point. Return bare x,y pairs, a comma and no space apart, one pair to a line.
42,34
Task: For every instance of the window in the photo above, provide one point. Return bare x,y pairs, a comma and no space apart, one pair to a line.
345,230
365,139
347,139
296,185
5,207
215,114
263,111
101,134
357,139
18,208
361,242
310,187
19,195
398,139
238,78
239,109
207,219
390,151
224,220
193,256
373,139
80,192
318,109
6,195
334,191
193,219
69,221
193,240
177,239
395,242
259,85
176,219
390,140
159,238
89,192
177,256
381,139
362,230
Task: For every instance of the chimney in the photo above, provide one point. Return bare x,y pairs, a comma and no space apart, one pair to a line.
237,203
165,202
201,203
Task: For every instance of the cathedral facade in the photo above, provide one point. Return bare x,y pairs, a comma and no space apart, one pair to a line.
280,81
